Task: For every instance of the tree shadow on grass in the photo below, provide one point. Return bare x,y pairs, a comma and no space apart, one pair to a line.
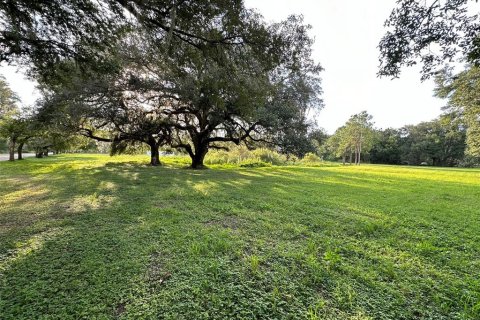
124,238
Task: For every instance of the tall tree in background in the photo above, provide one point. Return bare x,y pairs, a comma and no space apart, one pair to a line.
8,99
433,32
386,148
318,137
339,145
360,132
353,139
13,129
440,142
11,125
463,94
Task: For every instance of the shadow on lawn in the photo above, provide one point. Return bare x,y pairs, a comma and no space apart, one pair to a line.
79,242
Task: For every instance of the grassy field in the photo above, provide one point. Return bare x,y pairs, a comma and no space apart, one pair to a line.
95,237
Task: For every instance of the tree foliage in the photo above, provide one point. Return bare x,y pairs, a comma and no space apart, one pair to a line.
12,126
430,32
39,34
440,142
8,99
386,148
353,139
462,93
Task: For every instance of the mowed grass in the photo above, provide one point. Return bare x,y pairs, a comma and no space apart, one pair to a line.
98,237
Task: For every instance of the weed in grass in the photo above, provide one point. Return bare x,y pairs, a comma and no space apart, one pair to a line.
331,259
253,263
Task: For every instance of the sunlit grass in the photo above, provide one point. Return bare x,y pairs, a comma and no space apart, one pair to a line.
89,236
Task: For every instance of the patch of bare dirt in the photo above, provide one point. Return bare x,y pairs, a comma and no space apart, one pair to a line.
227,222
156,272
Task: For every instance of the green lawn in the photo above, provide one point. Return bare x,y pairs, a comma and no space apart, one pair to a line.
95,237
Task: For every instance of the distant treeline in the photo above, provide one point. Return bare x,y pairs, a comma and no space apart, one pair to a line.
440,142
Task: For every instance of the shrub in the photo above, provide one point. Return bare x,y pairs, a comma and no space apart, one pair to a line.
247,158
270,156
469,162
311,157
252,163
217,157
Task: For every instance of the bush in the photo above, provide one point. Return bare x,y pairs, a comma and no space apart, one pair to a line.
270,156
244,157
252,163
217,157
469,162
311,157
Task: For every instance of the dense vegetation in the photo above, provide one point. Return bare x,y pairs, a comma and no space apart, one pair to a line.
96,236
444,141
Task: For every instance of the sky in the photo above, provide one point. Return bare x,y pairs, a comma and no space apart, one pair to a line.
346,34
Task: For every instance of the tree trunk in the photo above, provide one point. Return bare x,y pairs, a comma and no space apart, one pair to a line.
359,152
343,159
198,157
154,155
19,151
45,153
11,150
350,156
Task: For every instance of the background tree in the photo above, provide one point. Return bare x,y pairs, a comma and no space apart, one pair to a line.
359,130
293,140
12,129
386,148
339,145
12,126
440,142
351,140
8,99
462,92
318,138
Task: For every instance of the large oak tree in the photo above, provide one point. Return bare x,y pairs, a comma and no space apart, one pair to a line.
197,96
